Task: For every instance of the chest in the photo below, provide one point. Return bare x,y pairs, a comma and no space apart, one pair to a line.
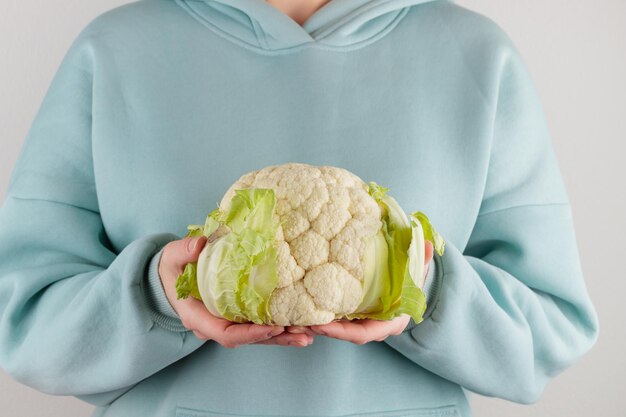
166,148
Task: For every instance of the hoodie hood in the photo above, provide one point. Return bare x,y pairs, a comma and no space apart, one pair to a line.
337,24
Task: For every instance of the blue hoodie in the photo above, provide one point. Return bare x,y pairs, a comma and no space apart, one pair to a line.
160,105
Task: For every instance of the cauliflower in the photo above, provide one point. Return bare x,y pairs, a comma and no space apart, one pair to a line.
296,244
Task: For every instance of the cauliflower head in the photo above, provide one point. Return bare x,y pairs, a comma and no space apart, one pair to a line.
296,244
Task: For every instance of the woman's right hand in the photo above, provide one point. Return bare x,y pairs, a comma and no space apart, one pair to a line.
197,318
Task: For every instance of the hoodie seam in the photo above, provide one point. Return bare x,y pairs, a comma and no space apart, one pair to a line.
260,35
523,206
359,12
46,200
488,102
365,42
184,4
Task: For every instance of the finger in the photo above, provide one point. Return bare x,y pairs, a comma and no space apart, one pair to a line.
295,329
242,334
428,257
428,252
181,252
344,330
205,325
192,247
300,329
288,339
358,331
195,316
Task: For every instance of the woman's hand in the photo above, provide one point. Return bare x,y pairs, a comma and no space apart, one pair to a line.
197,318
366,330
363,331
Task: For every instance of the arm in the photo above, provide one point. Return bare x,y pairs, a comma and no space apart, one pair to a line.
78,317
511,309
74,315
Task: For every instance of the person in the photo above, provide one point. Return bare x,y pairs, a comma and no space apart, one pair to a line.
159,105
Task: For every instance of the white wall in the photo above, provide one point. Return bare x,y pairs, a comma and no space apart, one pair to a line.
574,53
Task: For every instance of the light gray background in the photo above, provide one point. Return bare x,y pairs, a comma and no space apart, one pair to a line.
573,51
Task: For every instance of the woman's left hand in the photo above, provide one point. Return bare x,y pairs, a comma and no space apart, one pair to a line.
366,330
363,331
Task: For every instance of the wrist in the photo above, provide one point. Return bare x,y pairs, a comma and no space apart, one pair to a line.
156,292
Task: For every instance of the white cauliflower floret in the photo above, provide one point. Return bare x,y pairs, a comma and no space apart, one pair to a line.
333,288
326,215
334,215
293,304
288,269
294,224
310,250
347,256
318,199
362,204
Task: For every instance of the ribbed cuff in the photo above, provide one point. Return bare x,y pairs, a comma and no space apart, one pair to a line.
161,311
431,290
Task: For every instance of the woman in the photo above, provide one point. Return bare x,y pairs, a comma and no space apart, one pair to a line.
160,105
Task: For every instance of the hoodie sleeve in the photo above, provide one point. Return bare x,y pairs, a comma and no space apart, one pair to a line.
511,308
76,316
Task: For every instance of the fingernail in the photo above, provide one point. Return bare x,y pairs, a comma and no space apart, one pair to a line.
296,330
191,244
275,332
200,242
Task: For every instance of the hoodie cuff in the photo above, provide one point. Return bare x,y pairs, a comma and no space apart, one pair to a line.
431,290
161,311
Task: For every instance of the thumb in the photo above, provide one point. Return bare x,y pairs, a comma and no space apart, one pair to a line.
186,250
428,252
